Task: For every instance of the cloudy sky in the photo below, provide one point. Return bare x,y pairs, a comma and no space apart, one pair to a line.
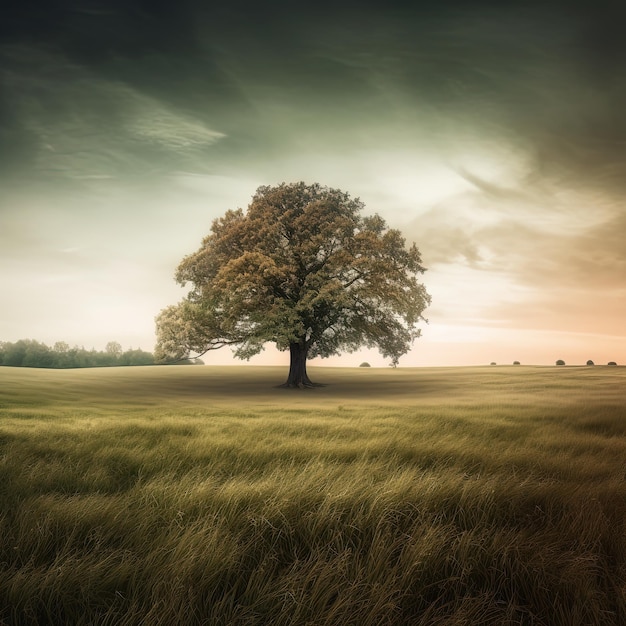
493,136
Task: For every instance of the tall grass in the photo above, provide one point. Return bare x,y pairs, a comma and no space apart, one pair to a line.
207,496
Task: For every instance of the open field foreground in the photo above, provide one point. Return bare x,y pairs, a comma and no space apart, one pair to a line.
206,495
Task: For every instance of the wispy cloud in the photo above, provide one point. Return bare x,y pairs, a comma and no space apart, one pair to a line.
150,121
82,126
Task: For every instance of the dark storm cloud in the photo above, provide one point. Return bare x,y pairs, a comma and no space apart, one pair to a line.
101,90
544,76
67,122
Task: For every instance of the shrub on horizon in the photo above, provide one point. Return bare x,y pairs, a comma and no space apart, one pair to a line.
590,362
560,362
516,363
611,363
365,364
492,363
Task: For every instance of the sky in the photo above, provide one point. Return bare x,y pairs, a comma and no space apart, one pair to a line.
491,134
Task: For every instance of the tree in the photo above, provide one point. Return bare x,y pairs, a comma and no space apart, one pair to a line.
38,355
61,347
114,349
135,357
303,269
14,353
560,362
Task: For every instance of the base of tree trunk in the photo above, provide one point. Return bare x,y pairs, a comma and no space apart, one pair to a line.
309,385
298,377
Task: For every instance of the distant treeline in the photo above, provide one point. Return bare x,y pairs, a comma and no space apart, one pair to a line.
31,353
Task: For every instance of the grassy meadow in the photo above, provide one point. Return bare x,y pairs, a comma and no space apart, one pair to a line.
206,495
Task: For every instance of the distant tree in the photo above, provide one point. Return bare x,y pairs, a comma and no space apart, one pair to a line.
611,363
492,363
61,347
516,362
38,355
136,357
14,353
590,362
560,362
114,349
303,269
365,364
79,357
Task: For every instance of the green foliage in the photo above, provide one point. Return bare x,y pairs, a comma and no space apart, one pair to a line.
31,353
135,357
492,496
560,362
301,266
113,348
15,353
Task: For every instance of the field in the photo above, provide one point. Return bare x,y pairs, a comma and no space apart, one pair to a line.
206,495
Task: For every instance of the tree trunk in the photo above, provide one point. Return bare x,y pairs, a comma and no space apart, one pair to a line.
297,366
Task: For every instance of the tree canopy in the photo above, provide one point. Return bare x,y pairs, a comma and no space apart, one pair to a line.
301,268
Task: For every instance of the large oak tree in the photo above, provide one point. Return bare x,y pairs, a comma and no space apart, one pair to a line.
304,269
